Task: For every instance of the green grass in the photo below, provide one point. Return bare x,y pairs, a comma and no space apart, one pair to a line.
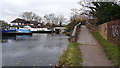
110,49
72,56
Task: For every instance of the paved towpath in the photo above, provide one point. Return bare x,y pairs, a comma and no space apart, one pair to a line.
93,54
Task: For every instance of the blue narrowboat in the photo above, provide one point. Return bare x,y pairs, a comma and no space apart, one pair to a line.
16,32
10,30
23,30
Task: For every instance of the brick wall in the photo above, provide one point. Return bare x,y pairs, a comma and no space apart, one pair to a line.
111,31
114,31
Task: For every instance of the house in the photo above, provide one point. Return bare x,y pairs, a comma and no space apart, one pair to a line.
20,23
17,23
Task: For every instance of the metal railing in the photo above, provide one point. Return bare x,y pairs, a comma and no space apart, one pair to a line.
75,29
74,35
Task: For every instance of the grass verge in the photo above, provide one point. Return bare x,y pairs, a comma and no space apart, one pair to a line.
110,49
72,56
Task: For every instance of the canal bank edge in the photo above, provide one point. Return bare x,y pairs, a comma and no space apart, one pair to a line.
72,56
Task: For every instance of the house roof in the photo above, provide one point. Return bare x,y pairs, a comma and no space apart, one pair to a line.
16,26
33,22
18,20
59,26
35,26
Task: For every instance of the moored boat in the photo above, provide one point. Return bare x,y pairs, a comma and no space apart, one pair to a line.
9,30
16,32
38,30
23,30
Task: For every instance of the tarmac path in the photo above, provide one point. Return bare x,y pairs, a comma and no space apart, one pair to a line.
93,54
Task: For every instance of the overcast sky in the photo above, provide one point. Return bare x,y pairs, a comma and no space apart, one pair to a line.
11,9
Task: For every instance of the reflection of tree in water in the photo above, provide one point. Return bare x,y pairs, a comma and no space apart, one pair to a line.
49,46
52,34
30,46
60,43
24,37
3,40
50,43
18,38
54,43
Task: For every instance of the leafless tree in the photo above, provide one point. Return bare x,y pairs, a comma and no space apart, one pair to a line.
38,18
61,19
54,19
30,16
50,18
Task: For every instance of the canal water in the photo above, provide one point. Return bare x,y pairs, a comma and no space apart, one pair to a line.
35,50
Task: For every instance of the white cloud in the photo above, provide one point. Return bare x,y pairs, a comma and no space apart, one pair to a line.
13,8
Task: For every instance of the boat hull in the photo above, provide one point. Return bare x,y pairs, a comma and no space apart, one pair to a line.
43,31
23,30
15,33
11,32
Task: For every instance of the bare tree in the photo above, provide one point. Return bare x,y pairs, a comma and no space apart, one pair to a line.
54,19
61,19
47,19
50,18
30,16
38,18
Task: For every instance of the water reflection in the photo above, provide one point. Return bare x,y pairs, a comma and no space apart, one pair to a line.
16,38
35,50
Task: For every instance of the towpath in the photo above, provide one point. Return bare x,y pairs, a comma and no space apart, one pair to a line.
93,54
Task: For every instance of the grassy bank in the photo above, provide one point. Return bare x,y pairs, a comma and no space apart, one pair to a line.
110,49
72,56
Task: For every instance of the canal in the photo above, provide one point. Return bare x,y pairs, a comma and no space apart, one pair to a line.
35,50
